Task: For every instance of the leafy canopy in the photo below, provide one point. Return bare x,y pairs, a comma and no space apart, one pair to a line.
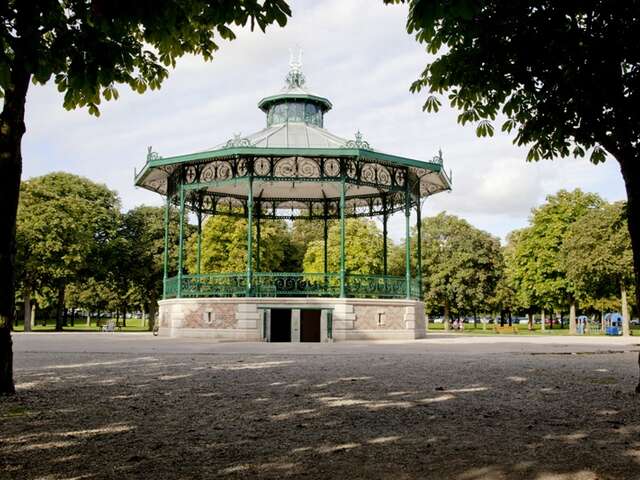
460,264
90,46
65,225
224,245
363,249
597,252
537,262
564,75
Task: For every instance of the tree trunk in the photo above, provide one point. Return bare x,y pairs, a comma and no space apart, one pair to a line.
638,386
34,306
60,309
630,168
446,315
12,129
88,318
572,318
124,315
152,314
510,319
27,309
529,320
626,330
543,327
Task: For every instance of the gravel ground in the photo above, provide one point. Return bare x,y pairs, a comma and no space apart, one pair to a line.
397,412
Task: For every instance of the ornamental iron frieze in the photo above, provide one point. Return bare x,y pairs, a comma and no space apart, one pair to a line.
210,203
355,171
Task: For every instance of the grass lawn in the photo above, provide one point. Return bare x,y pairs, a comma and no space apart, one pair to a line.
522,329
133,325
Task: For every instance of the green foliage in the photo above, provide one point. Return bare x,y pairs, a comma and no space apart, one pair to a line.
597,252
363,249
537,265
224,245
138,256
90,47
564,75
65,226
303,232
461,265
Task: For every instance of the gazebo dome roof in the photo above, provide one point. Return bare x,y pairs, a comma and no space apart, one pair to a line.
295,90
295,119
294,160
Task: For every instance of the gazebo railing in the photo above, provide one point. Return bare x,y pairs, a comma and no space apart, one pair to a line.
282,284
376,286
267,284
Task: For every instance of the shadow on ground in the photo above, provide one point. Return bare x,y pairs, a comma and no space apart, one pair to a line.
506,416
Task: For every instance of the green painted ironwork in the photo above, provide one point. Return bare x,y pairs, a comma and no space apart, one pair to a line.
385,234
376,286
171,287
342,238
214,285
407,250
329,324
296,284
181,243
325,252
165,256
199,245
250,237
258,237
283,284
419,246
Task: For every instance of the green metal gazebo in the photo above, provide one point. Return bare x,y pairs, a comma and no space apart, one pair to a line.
293,169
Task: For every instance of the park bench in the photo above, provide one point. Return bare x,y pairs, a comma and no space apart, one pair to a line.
111,326
505,329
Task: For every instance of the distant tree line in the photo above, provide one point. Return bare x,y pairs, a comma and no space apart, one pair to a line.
77,251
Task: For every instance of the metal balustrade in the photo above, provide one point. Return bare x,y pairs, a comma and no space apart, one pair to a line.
285,284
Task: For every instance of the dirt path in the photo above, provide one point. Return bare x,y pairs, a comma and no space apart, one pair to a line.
368,415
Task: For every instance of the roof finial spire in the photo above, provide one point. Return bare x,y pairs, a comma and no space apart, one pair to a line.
295,77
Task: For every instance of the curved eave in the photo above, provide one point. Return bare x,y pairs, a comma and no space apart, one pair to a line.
265,102
358,153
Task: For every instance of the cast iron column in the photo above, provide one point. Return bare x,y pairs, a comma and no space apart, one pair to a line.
342,267
419,245
407,215
325,235
181,243
385,218
199,247
165,259
250,238
258,236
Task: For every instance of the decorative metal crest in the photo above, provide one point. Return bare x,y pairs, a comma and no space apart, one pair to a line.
295,78
358,142
438,158
238,141
151,155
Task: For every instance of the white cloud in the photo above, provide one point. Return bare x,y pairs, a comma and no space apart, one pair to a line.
356,53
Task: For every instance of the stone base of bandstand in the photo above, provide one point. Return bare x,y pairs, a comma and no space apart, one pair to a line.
242,318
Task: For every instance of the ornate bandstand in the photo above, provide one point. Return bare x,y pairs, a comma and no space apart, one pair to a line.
292,169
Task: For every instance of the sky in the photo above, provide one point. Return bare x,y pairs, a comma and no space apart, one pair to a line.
356,53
